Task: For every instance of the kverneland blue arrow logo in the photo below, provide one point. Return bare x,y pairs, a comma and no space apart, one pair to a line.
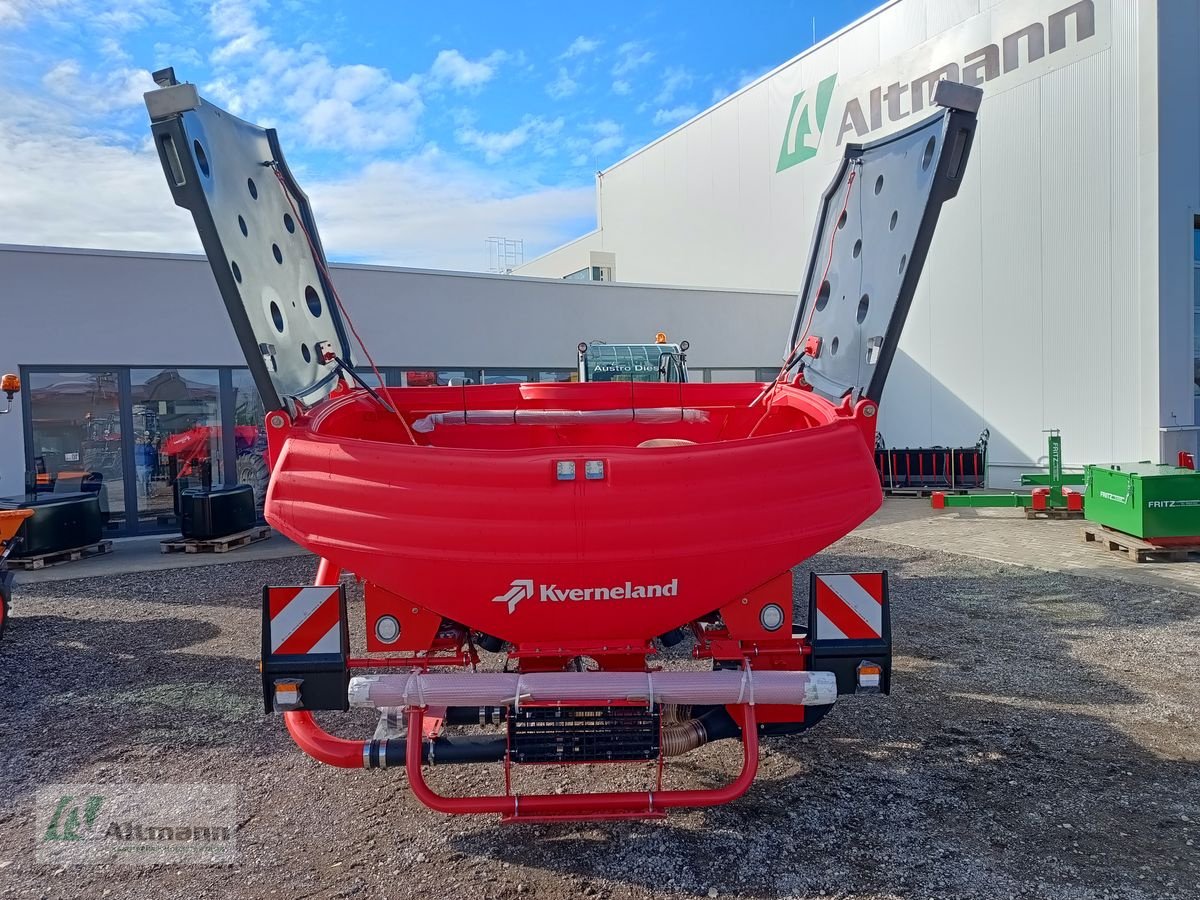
523,588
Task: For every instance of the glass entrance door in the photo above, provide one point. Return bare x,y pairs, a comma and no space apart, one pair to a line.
176,436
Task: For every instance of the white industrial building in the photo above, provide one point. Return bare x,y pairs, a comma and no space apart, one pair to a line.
129,361
1062,283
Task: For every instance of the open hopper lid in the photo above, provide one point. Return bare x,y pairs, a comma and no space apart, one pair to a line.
257,229
876,223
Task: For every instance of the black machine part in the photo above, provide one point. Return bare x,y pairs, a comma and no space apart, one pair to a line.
205,514
843,656
59,522
875,227
257,229
322,679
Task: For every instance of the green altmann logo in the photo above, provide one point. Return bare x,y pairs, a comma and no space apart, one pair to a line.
805,123
69,815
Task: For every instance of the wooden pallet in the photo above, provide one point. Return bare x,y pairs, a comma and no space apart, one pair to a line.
921,492
215,545
1053,512
1138,550
42,560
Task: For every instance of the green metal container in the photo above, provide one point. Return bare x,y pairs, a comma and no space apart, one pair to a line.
1143,499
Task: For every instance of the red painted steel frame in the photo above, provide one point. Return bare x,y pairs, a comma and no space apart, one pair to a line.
616,805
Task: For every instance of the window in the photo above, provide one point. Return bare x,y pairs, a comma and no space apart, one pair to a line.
250,437
75,439
439,377
630,362
591,273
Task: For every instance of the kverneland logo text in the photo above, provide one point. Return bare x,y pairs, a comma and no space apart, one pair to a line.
524,589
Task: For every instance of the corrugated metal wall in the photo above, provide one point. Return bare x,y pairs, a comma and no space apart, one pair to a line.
1033,311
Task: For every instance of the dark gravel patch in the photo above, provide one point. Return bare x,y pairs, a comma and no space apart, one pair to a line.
1041,740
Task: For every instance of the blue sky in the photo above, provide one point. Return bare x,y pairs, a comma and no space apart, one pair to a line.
418,129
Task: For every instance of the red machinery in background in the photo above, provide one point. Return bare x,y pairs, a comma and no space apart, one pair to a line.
561,534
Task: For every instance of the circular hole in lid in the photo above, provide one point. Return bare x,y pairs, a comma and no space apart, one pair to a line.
277,253
927,158
864,303
895,218
289,223
842,220
201,158
822,296
252,188
833,345
305,353
903,263
277,316
313,300
858,248
878,185
242,226
237,273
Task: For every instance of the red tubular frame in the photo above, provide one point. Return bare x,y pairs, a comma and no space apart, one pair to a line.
608,805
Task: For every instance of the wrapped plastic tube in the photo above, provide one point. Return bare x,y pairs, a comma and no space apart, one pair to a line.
650,416
512,689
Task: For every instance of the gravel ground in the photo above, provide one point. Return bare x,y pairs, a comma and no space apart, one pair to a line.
1040,740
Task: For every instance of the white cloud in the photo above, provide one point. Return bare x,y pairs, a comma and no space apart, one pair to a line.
426,211
430,211
451,67
353,107
496,144
130,15
562,86
581,46
340,107
675,79
604,137
14,13
234,23
675,115
621,87
630,56
92,96
126,203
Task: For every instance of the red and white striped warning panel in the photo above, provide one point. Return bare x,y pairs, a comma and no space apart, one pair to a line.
849,607
305,619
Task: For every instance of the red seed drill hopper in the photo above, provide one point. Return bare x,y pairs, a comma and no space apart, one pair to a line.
567,531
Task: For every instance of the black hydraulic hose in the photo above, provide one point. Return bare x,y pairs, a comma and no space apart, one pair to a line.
441,751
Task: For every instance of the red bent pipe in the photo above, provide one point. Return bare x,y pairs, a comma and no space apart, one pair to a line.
321,745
